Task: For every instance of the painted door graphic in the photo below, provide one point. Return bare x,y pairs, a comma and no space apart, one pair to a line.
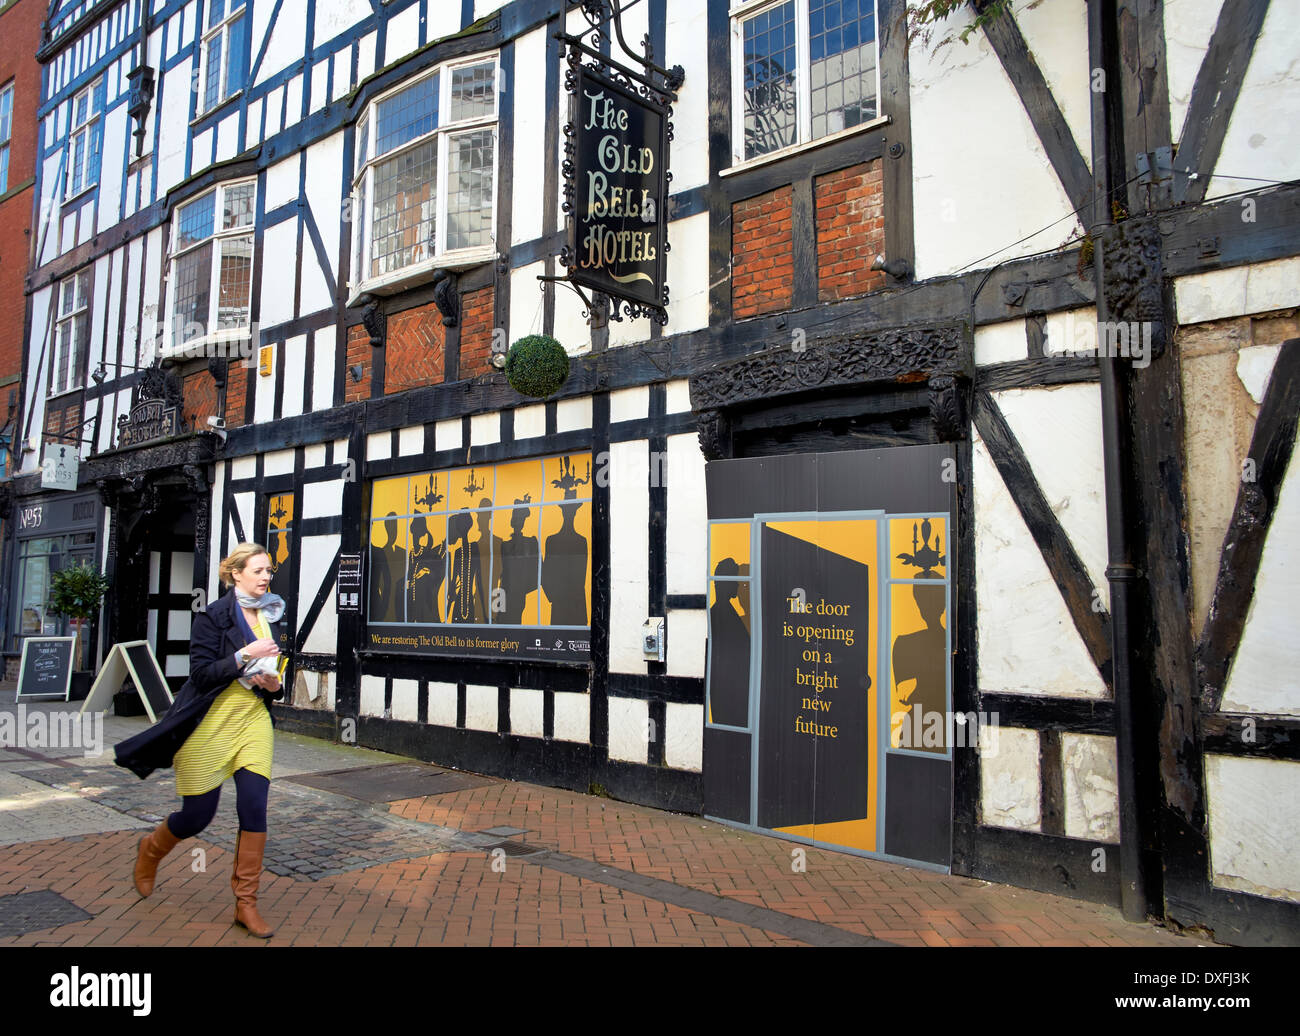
828,681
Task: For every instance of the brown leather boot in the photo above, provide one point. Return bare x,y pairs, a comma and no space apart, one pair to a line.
153,847
247,876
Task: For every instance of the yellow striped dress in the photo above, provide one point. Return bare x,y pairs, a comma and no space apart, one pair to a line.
235,734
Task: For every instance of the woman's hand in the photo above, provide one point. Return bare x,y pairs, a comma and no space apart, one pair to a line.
266,681
264,648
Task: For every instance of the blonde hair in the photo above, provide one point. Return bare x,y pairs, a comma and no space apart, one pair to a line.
237,560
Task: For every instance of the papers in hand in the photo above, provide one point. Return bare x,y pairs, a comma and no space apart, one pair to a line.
272,666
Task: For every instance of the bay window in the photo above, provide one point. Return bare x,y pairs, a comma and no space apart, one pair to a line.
212,263
424,182
804,69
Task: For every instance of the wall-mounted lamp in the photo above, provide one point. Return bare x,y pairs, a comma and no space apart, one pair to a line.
356,371
899,269
101,372
498,360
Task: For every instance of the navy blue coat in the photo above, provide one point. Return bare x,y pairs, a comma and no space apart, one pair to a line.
217,633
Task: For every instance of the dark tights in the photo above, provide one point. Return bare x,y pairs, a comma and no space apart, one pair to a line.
197,811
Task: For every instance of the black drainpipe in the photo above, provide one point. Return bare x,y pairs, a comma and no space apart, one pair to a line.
1108,171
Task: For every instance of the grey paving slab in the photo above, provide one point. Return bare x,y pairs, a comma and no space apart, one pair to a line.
31,811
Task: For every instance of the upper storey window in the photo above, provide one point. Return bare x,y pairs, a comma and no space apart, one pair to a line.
6,132
86,140
804,69
212,264
425,174
224,53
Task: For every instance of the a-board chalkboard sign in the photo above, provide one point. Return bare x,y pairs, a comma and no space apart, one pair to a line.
46,667
135,660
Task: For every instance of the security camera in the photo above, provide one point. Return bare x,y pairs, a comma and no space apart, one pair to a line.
219,423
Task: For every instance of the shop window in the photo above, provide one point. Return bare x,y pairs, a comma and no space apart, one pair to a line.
71,334
86,140
224,58
424,182
6,133
38,558
804,69
212,265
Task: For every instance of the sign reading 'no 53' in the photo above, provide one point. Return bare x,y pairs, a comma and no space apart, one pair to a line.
618,233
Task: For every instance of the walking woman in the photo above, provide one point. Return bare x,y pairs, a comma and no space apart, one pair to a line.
220,726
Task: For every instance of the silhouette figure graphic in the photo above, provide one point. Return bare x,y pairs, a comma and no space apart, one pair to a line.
729,649
465,588
428,573
518,572
387,576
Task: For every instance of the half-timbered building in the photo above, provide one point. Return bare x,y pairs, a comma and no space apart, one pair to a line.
942,509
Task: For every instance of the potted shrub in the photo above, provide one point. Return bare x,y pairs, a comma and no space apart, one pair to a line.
77,592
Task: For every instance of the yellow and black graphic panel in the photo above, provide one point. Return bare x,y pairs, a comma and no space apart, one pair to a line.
426,569
515,596
728,542
817,727
279,543
729,645
389,547
918,548
918,638
478,560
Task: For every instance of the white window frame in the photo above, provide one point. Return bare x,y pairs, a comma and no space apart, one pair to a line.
170,346
363,175
75,130
6,135
742,12
222,30
74,378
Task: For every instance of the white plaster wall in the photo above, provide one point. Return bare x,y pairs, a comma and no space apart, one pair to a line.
116,137
687,517
629,404
317,556
684,738
526,303
688,274
282,182
686,42
214,545
530,132
280,255
1057,36
1189,24
677,396
404,33
629,725
572,717
379,445
1255,288
964,104
629,548
243,467
406,700
480,707
338,16
1265,675
1009,781
448,434
372,695
485,429
573,415
687,630
1263,138
1091,787
442,704
526,711
571,327
295,375
322,499
1027,641
288,43
325,193
1254,811
1059,430
530,421
278,462
410,440
1001,343
174,127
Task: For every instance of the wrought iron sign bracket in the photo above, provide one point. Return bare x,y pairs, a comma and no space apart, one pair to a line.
598,13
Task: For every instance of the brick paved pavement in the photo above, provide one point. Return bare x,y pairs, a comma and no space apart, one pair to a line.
419,871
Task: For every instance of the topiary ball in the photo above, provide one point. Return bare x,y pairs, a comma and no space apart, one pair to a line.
537,366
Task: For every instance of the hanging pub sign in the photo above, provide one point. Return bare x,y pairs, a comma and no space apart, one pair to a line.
148,421
617,191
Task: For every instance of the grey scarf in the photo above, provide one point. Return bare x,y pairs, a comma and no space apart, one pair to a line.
271,605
